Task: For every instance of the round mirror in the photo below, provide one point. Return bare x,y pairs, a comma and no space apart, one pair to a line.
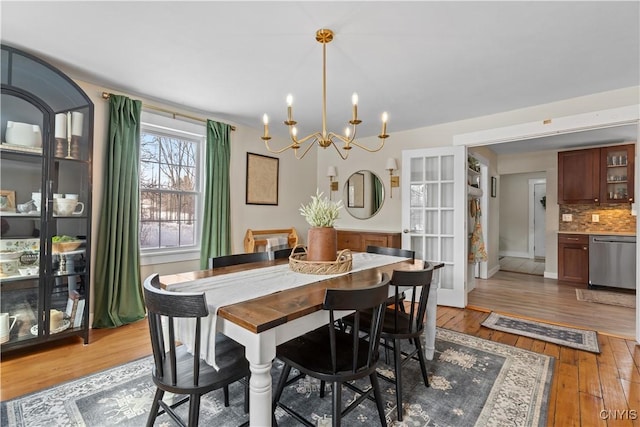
363,194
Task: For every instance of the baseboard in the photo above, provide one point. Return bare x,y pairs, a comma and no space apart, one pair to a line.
493,270
515,254
550,275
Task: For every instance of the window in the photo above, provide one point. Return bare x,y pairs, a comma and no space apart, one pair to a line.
170,186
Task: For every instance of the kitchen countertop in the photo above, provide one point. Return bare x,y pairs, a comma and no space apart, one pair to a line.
600,233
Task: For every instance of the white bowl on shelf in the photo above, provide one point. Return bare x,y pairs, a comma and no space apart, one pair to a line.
24,134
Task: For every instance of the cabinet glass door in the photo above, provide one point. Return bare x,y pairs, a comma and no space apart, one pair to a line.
617,166
21,213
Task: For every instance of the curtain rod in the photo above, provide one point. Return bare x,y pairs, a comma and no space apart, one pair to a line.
106,95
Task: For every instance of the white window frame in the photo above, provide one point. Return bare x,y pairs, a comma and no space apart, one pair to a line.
179,128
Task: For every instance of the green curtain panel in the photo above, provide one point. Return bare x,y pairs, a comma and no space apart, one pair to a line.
376,185
216,227
118,289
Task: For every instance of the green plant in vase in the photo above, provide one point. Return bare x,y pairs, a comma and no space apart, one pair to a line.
322,240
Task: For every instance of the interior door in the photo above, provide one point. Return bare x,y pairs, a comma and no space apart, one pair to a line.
434,215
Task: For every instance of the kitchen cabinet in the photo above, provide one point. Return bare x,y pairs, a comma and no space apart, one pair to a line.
617,165
46,151
358,240
596,175
573,258
579,176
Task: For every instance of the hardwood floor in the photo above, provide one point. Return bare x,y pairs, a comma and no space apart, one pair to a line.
550,300
584,383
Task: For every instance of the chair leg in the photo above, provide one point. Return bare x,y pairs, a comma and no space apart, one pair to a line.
322,385
246,396
398,373
337,403
153,413
194,410
376,393
423,365
281,383
225,391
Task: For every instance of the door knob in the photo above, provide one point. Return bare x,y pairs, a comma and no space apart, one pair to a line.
405,231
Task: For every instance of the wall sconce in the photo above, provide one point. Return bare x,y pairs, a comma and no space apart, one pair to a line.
333,185
393,180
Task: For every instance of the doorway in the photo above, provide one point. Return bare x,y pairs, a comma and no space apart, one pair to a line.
537,222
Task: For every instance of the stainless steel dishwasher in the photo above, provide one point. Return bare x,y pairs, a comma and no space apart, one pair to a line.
612,261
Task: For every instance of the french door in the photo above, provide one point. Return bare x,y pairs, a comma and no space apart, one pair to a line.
434,215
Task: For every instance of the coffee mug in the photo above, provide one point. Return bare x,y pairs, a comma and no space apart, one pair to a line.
67,207
6,326
36,197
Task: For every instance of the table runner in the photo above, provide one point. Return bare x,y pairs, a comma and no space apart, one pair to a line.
232,288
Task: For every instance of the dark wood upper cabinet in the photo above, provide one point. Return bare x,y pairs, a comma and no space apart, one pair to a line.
596,175
579,176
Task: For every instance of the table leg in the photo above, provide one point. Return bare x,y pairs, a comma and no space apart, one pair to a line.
430,325
260,357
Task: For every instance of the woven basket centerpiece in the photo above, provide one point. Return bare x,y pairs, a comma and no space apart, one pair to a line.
298,263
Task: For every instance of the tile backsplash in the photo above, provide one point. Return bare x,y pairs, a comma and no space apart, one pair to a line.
613,217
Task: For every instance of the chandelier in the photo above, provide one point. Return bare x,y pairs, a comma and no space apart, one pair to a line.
323,138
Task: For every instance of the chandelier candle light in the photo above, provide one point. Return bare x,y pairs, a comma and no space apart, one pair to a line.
323,138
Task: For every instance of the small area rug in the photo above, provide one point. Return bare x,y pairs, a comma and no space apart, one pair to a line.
607,297
580,339
472,382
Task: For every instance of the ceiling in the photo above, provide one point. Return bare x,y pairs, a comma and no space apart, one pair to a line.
423,62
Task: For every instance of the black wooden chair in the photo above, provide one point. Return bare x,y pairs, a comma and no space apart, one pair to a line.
383,250
336,356
404,320
226,260
285,253
178,371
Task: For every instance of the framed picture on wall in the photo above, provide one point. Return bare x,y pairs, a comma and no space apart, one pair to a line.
262,180
356,191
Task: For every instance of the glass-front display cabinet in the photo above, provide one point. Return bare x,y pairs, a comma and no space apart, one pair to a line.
617,173
46,128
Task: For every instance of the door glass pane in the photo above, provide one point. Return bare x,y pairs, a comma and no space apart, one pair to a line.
417,171
447,168
431,222
416,245
447,222
431,169
446,277
447,249
417,195
431,248
447,195
432,196
416,221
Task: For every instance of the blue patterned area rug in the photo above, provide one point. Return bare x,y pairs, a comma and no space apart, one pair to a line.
580,339
472,382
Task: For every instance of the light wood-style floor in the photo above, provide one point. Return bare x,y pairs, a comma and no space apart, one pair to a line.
584,383
550,300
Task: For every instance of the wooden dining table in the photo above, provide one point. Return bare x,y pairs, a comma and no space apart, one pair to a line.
262,323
